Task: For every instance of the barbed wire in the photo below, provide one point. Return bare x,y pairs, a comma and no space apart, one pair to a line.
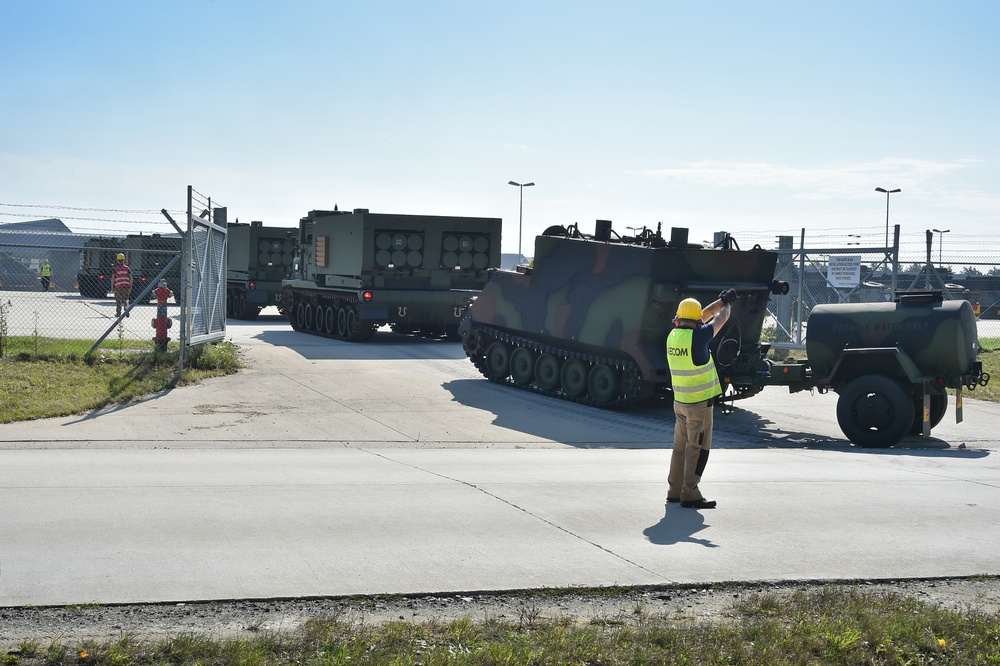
128,211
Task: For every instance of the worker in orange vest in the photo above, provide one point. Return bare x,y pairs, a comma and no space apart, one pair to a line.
121,284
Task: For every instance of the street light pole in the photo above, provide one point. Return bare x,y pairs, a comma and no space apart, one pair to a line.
887,193
520,214
940,233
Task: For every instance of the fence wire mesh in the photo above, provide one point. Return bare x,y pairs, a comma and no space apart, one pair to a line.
75,309
65,309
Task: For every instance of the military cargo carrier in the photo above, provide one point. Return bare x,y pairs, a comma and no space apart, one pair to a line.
360,270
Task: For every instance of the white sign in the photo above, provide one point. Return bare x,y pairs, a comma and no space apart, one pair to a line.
844,271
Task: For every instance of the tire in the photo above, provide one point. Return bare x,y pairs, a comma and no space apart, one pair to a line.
547,372
497,361
574,378
875,411
939,405
522,366
602,383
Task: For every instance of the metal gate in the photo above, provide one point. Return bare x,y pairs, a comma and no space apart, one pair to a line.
204,274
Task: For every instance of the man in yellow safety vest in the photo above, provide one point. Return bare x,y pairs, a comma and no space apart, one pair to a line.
695,384
46,274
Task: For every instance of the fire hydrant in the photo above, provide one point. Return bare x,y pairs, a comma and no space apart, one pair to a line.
162,322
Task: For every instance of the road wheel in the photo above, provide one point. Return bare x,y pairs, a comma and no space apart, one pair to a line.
300,315
240,305
874,411
574,378
602,382
342,329
522,366
307,317
497,361
547,372
939,405
352,320
319,315
329,320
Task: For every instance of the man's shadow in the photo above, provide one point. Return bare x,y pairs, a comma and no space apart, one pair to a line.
678,525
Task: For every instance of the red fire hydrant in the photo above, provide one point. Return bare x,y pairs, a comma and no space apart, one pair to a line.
162,322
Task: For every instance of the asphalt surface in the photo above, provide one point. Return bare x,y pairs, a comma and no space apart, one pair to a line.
331,468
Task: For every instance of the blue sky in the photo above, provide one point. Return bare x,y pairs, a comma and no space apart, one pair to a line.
754,117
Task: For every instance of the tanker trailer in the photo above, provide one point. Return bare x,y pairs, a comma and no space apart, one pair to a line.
890,363
588,320
258,259
360,270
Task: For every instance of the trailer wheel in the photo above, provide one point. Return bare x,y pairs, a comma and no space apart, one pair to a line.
874,411
498,361
939,405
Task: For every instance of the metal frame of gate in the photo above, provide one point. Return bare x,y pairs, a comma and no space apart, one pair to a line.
203,277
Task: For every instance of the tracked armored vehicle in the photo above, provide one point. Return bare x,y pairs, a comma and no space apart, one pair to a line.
587,321
361,270
258,259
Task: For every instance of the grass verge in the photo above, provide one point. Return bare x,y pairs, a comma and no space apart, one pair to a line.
829,625
47,385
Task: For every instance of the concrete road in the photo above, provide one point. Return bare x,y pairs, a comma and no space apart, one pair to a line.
332,468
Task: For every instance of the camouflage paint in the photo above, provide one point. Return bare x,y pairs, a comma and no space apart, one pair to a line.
618,298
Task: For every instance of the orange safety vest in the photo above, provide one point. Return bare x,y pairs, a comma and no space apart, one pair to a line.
123,277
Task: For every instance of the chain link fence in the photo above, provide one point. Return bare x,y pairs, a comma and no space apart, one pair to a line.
56,286
867,265
858,266
67,313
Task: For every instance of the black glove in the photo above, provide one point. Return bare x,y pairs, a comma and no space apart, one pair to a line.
728,296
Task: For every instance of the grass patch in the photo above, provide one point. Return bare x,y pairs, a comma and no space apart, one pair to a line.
829,625
45,385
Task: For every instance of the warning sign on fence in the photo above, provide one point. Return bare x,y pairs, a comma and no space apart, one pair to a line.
844,271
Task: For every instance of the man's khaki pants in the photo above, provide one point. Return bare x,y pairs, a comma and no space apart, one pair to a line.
692,441
121,299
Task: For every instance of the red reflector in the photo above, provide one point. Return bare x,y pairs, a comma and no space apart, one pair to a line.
253,285
367,296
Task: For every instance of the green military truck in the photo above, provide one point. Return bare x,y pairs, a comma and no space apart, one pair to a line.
258,259
97,264
360,270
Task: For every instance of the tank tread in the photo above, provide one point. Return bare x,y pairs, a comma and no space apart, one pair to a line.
632,388
359,330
